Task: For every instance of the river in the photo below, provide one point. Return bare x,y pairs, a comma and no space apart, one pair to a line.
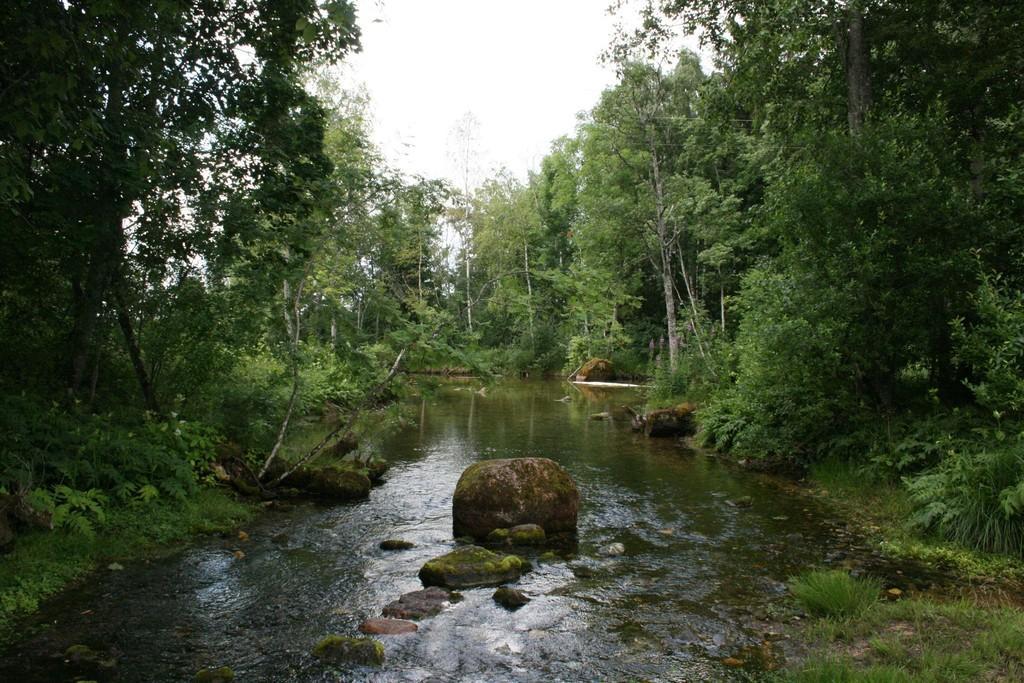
701,580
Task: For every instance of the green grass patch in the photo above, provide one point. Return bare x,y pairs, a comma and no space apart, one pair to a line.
834,593
42,562
916,640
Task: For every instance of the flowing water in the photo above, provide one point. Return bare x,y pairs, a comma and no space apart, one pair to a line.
699,582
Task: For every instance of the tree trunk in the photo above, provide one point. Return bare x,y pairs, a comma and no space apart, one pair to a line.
125,321
665,244
529,288
858,71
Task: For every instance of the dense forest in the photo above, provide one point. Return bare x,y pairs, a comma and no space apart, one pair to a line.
815,236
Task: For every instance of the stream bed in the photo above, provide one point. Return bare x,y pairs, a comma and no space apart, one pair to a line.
701,579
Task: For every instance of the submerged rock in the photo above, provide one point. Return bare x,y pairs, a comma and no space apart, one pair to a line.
222,674
677,421
387,627
345,650
472,567
601,416
596,370
84,657
498,494
421,604
510,598
396,544
612,550
741,502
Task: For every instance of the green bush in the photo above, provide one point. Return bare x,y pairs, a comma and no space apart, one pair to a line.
993,347
834,593
976,497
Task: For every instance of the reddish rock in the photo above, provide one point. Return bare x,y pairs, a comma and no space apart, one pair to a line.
420,604
388,627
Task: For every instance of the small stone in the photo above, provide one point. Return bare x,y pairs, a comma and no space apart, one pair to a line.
239,555
396,544
742,502
222,674
893,594
510,598
336,649
601,416
666,531
115,567
582,571
733,662
549,556
421,604
498,536
527,534
388,627
242,536
612,550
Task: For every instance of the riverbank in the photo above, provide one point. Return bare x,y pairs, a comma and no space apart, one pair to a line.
969,629
44,563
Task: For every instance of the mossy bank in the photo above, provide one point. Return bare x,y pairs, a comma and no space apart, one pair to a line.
42,563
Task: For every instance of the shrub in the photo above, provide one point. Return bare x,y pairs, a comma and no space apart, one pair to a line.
834,593
975,498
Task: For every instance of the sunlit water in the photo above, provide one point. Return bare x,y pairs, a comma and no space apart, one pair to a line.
699,582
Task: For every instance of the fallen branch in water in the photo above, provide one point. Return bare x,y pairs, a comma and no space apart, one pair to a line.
344,426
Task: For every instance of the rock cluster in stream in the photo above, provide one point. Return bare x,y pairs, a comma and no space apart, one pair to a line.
512,502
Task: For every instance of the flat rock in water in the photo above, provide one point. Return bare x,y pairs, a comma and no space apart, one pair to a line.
396,544
472,567
387,627
421,604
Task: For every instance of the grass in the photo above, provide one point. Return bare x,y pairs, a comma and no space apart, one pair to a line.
883,509
916,640
834,593
43,563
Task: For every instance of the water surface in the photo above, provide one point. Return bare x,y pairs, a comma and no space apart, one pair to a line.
699,582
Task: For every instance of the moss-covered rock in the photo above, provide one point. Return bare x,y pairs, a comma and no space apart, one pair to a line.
596,370
498,536
527,534
336,649
222,674
339,482
396,544
677,421
510,598
499,494
472,567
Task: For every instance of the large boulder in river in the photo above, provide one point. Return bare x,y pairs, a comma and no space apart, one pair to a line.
500,494
596,370
471,567
677,421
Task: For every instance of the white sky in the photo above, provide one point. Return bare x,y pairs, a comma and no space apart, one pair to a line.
524,69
